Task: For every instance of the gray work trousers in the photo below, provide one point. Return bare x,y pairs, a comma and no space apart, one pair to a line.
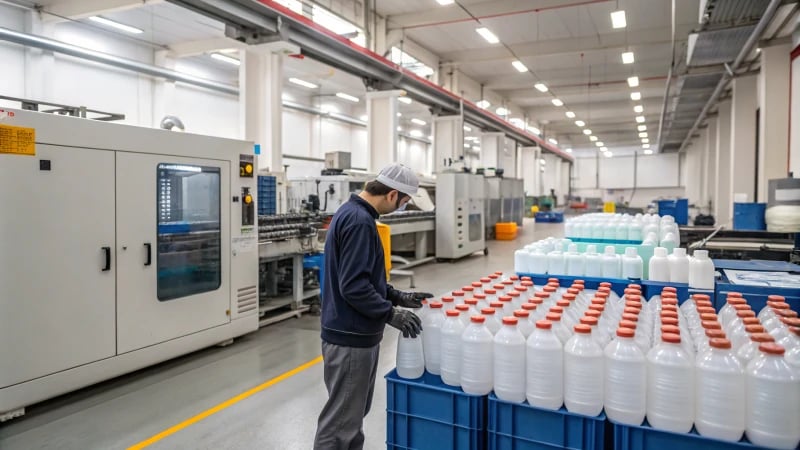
349,374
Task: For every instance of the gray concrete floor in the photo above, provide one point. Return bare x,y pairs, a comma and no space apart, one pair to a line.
129,409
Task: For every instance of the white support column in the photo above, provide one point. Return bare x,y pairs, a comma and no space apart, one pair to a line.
492,149
722,191
381,129
773,102
39,64
530,170
710,164
163,90
261,89
448,141
743,137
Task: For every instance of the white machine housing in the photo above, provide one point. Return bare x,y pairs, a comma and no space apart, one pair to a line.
460,215
100,270
343,185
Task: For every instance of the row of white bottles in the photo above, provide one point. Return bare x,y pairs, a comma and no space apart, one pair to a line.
574,263
647,229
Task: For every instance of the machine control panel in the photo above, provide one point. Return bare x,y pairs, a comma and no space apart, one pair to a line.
246,166
248,208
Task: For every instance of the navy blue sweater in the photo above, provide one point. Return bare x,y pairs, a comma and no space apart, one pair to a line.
354,305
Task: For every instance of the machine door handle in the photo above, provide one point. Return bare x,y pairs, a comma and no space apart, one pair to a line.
149,249
107,254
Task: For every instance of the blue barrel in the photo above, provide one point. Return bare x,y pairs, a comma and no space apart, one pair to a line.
749,216
679,209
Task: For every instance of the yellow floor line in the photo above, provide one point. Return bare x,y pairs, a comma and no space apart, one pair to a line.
226,404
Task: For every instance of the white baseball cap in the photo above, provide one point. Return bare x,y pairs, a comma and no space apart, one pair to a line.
399,177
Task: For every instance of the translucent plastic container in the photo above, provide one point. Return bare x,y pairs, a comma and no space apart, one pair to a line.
538,261
720,399
477,344
773,400
583,364
593,262
509,362
450,365
575,261
701,271
625,387
521,261
432,338
670,386
659,265
678,266
561,332
410,357
492,319
773,302
611,263
524,323
728,310
632,264
544,368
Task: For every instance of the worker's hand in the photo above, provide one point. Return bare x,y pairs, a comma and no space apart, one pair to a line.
406,321
408,299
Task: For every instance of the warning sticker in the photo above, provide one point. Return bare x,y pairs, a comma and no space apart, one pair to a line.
17,140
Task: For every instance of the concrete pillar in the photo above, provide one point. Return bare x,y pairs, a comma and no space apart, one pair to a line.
492,150
773,103
381,129
163,90
39,64
722,192
529,170
261,89
448,141
710,164
743,137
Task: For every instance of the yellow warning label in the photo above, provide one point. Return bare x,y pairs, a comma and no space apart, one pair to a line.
17,140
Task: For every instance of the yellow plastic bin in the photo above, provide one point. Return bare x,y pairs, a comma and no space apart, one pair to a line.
609,207
385,233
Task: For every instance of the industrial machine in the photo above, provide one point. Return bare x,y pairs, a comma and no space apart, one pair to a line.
460,215
505,199
122,247
324,194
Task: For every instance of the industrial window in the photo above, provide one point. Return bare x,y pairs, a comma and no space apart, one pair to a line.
188,257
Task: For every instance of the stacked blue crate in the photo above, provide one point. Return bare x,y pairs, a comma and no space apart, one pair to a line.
267,195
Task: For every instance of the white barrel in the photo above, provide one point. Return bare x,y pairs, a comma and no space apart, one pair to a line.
477,345
773,396
450,366
583,366
625,378
410,357
432,338
509,362
544,368
670,386
720,387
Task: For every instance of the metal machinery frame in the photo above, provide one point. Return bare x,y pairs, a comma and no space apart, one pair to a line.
460,215
122,247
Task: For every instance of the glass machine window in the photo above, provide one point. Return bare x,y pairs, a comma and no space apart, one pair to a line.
189,247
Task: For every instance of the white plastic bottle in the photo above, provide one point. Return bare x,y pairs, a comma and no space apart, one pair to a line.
720,400
450,366
583,364
432,338
632,264
773,396
659,265
544,368
575,261
465,314
678,266
625,377
477,345
701,271
410,357
492,318
593,262
635,231
509,362
556,264
521,261
561,332
611,263
524,323
670,386
538,261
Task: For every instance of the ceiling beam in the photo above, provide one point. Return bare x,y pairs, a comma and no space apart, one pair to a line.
633,39
59,11
202,46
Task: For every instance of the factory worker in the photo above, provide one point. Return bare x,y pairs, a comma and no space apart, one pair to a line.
357,304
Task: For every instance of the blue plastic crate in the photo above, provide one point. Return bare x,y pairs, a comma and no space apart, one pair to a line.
316,261
515,426
645,437
426,414
749,216
679,209
267,193
549,217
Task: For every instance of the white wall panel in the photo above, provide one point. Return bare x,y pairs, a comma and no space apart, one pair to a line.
616,172
658,171
585,173
206,112
296,132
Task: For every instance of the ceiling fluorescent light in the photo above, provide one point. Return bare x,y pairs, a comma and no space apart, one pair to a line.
552,141
445,2
347,97
580,123
399,128
303,83
364,118
476,147
645,140
643,134
639,119
593,138
608,154
603,149
587,132
568,150
467,129
483,104
488,35
645,145
642,127
557,102
627,58
648,152
226,58
638,109
405,100
570,114
636,96
618,19
599,144
117,25
541,87
399,114
419,122
519,66
543,161
501,111
633,81
467,146
535,131
416,133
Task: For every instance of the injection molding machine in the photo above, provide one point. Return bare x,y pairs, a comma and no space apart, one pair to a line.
120,247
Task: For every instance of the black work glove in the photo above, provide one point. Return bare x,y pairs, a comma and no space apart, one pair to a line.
406,321
407,299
